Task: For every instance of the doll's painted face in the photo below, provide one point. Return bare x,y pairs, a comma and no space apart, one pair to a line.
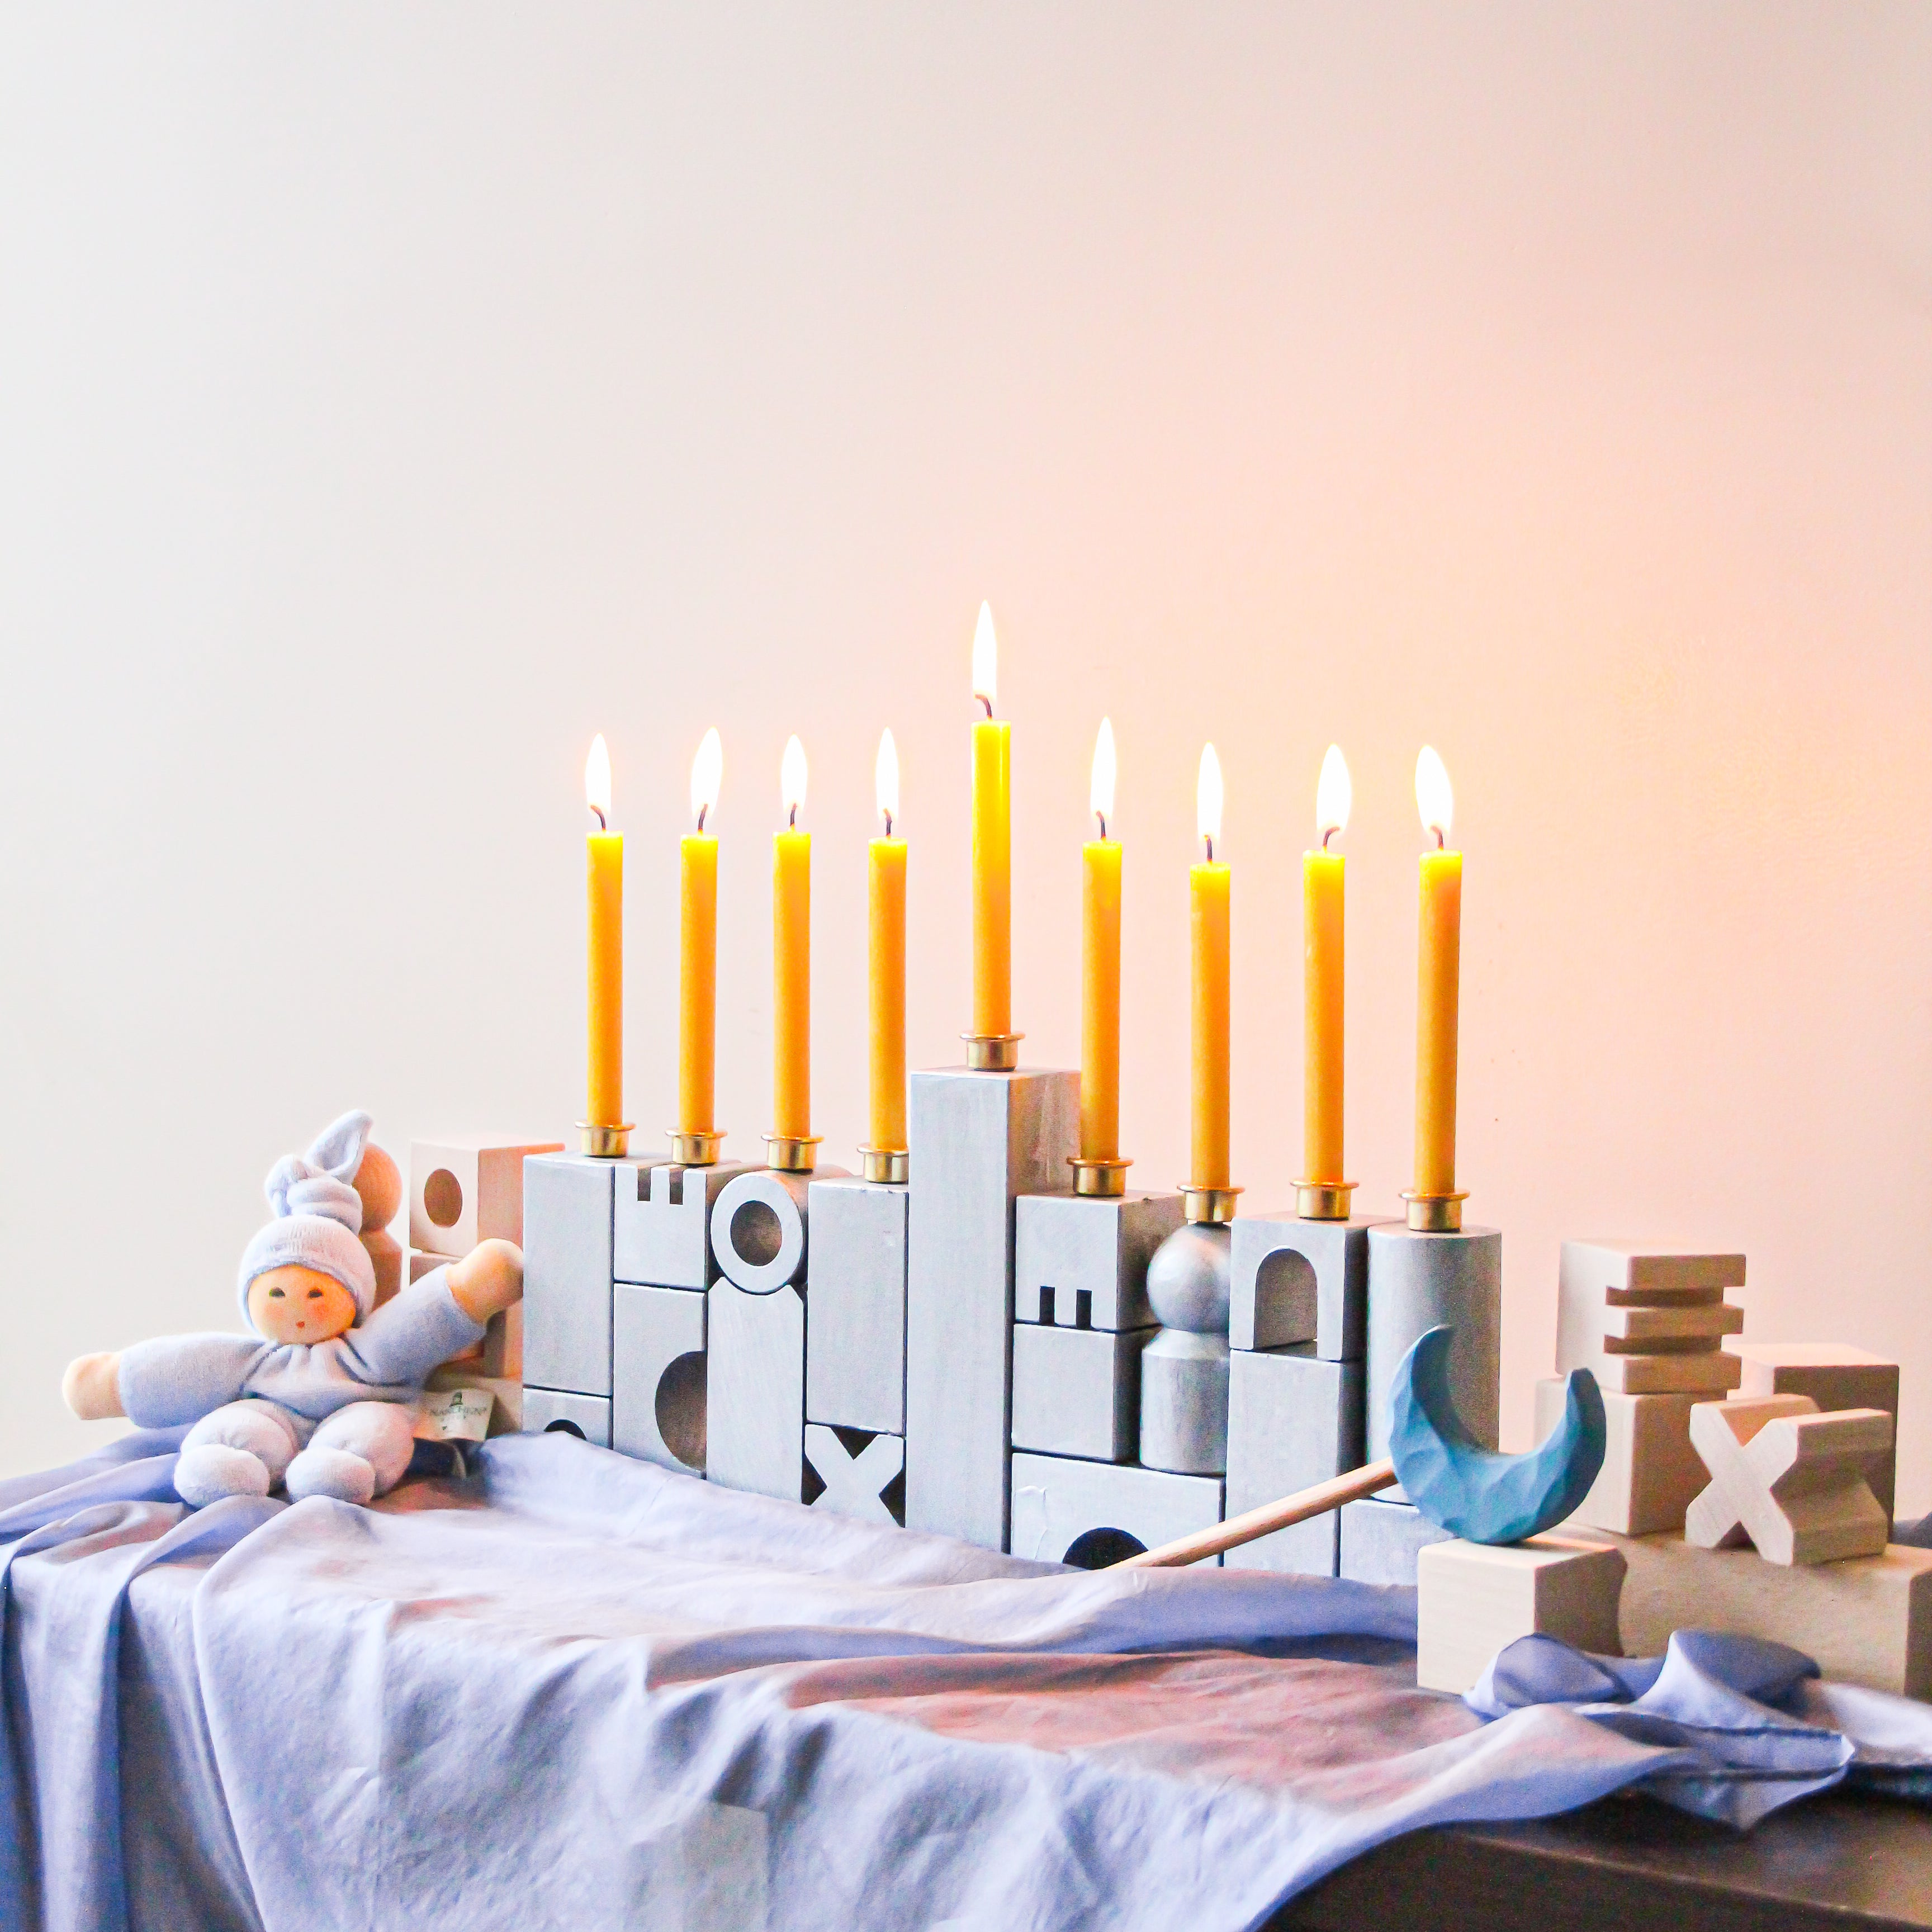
294,1303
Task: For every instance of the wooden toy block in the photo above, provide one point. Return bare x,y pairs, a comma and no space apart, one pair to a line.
1473,1598
1091,1514
462,1192
1184,1403
863,1473
421,1264
1418,1282
1867,1620
1710,1372
1834,1376
1379,1542
385,1256
661,1226
659,1375
978,1142
1080,1261
1650,1471
757,1229
1789,1478
585,1417
1077,1391
1597,1277
507,1416
855,1342
1691,1326
1294,1419
1294,1281
567,1265
503,1344
755,1390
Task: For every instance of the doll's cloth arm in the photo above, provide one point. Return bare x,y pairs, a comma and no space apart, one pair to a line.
177,1378
408,1336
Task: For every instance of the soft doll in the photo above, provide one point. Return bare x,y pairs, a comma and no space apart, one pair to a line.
319,1404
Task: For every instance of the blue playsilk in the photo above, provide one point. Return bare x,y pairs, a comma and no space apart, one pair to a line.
577,1690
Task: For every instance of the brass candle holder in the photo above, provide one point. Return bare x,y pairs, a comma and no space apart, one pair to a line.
1435,1213
792,1154
1207,1207
1106,1179
696,1150
1324,1200
992,1052
889,1164
603,1143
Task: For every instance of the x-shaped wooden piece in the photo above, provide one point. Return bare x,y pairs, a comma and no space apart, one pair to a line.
1789,1479
854,1484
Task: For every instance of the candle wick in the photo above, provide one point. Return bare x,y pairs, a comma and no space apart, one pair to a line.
701,811
1440,841
1103,818
1328,832
889,825
1207,839
791,821
601,826
987,702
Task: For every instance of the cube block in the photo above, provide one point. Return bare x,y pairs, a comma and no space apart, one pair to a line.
1080,1261
1650,1472
1834,1376
659,1375
1474,1598
1077,1391
462,1192
1378,1542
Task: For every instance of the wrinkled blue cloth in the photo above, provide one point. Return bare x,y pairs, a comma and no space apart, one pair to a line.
576,1691
1765,1728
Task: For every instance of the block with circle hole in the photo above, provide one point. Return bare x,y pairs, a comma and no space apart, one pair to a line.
856,1472
1080,1261
758,1221
659,1375
1091,1514
661,1223
561,1412
462,1192
1294,1281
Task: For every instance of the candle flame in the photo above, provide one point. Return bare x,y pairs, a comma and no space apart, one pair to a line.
1334,795
707,773
1207,798
1434,798
597,781
791,778
885,779
1100,795
985,661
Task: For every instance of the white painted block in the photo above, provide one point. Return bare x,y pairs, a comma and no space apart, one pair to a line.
1092,1514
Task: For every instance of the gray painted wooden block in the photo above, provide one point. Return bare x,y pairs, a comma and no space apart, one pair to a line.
1094,1513
861,1470
855,1342
1080,1261
1294,1420
1420,1281
567,1269
1077,1391
587,1417
1184,1403
658,1375
754,1432
759,1231
1379,1541
1296,1281
978,1140
660,1232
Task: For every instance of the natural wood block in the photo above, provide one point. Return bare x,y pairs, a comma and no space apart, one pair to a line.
1788,1478
1866,1621
1834,1376
503,1344
1713,1373
1472,1598
386,1255
1694,1325
1594,1277
1650,1471
462,1192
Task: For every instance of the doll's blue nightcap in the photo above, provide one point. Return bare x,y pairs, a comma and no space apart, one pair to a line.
318,1215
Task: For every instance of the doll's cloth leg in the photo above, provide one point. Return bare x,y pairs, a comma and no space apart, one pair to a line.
358,1454
241,1449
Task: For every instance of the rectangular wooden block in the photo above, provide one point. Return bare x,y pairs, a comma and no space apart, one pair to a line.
1834,1376
1646,1272
1091,1514
1650,1471
1636,1331
1294,1420
464,1191
1711,1375
1379,1542
1473,1598
1867,1620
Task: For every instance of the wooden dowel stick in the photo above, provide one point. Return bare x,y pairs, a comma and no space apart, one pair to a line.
1254,1522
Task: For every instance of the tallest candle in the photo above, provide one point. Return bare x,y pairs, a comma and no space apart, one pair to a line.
991,1041
1434,1205
603,1129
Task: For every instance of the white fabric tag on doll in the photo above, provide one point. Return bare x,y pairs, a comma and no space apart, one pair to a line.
457,1414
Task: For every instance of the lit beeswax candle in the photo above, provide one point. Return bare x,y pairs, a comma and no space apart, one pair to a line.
887,935
1438,983
697,948
604,1106
1208,882
1322,900
791,959
1100,969
992,846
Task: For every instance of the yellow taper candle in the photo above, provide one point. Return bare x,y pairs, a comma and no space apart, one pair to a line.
1322,1033
992,846
886,936
791,959
697,950
1100,974
604,1106
1438,988
1208,884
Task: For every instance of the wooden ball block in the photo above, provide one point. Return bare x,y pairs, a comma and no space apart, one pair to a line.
1650,1471
378,1182
463,1191
1473,1598
1834,1376
385,1256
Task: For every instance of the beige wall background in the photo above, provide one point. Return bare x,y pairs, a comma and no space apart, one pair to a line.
391,396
